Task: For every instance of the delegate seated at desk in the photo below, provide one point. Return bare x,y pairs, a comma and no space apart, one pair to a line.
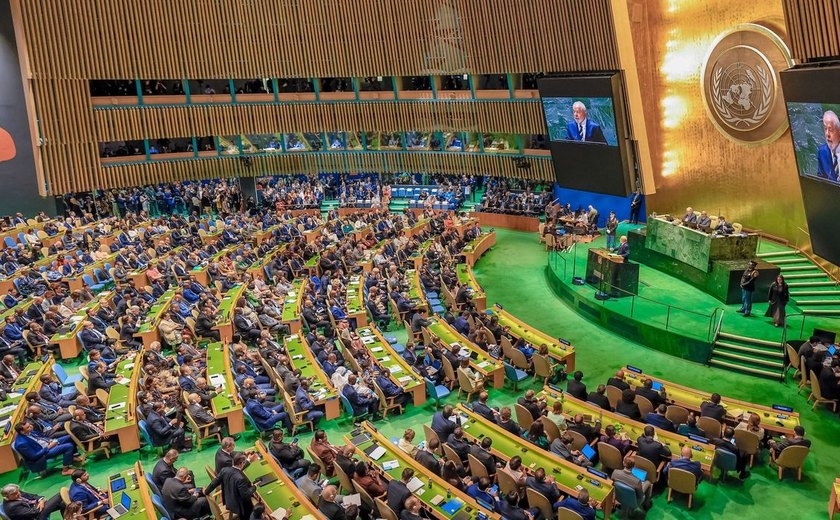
704,222
689,217
723,227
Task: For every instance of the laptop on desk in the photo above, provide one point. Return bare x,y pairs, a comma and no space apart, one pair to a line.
122,508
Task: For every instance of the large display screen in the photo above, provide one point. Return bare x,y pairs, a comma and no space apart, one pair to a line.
586,127
813,105
580,119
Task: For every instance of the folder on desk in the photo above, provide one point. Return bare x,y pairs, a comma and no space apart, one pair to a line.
414,484
452,506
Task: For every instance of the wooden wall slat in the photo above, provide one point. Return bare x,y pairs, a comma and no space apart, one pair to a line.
813,28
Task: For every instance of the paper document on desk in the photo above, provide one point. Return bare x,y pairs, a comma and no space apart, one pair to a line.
404,379
396,369
377,453
484,364
374,349
388,465
279,514
122,380
8,409
367,340
217,380
116,406
414,484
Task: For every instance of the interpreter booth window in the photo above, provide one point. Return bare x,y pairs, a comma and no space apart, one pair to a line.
262,143
529,81
167,145
126,149
376,84
456,82
492,82
416,83
162,87
112,87
373,141
336,85
295,85
253,86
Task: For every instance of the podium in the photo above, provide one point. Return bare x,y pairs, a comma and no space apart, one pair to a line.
611,275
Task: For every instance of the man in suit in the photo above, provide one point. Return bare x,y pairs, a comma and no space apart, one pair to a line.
582,128
713,408
534,406
305,403
97,379
398,491
84,430
361,404
391,389
200,414
589,432
657,419
655,397
52,391
166,432
685,463
331,510
623,248
650,448
458,444
244,326
723,227
544,485
509,508
237,489
165,468
92,499
442,425
618,381
92,338
309,483
827,153
482,453
506,422
798,439
480,407
635,206
427,458
575,387
19,505
643,488
582,505
226,453
288,454
36,450
181,497
727,443
266,416
689,217
599,397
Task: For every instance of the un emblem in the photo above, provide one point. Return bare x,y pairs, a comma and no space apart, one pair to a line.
740,84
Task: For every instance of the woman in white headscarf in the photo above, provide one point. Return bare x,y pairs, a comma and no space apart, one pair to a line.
339,378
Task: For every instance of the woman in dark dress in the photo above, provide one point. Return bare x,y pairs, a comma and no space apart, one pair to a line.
778,296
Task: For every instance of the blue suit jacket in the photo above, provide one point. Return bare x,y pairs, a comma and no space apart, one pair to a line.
586,511
259,413
824,163
623,250
443,427
692,466
594,133
388,387
660,421
33,453
302,400
79,493
358,403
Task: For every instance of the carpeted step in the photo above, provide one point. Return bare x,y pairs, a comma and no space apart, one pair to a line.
815,292
817,302
821,312
749,360
749,341
800,268
751,349
736,366
786,261
823,283
774,254
804,276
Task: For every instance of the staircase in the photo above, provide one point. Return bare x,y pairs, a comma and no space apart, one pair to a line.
813,291
752,356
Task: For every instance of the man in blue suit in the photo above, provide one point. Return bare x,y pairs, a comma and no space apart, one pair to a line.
441,423
267,417
658,419
583,128
827,159
581,505
391,389
623,248
361,403
304,403
37,450
52,391
685,463
92,499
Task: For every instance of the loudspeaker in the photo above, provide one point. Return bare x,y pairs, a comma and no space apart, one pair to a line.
601,295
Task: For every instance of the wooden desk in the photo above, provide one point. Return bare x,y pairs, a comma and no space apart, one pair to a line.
354,296
122,422
138,489
691,399
291,305
704,453
29,380
466,277
147,329
559,350
226,404
68,342
436,486
502,220
566,474
322,389
384,356
283,492
480,361
224,322
473,251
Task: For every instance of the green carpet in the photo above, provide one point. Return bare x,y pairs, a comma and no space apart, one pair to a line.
513,273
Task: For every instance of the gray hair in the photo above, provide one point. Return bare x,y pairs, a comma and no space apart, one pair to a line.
580,105
832,117
10,489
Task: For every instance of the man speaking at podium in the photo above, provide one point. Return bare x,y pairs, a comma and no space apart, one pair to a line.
623,248
583,128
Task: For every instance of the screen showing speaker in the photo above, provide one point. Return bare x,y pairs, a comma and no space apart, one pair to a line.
813,105
586,124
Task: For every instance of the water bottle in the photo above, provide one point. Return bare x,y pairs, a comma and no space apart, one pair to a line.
134,506
430,483
448,493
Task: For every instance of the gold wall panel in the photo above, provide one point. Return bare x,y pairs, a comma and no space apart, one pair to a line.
694,165
72,42
814,28
311,163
